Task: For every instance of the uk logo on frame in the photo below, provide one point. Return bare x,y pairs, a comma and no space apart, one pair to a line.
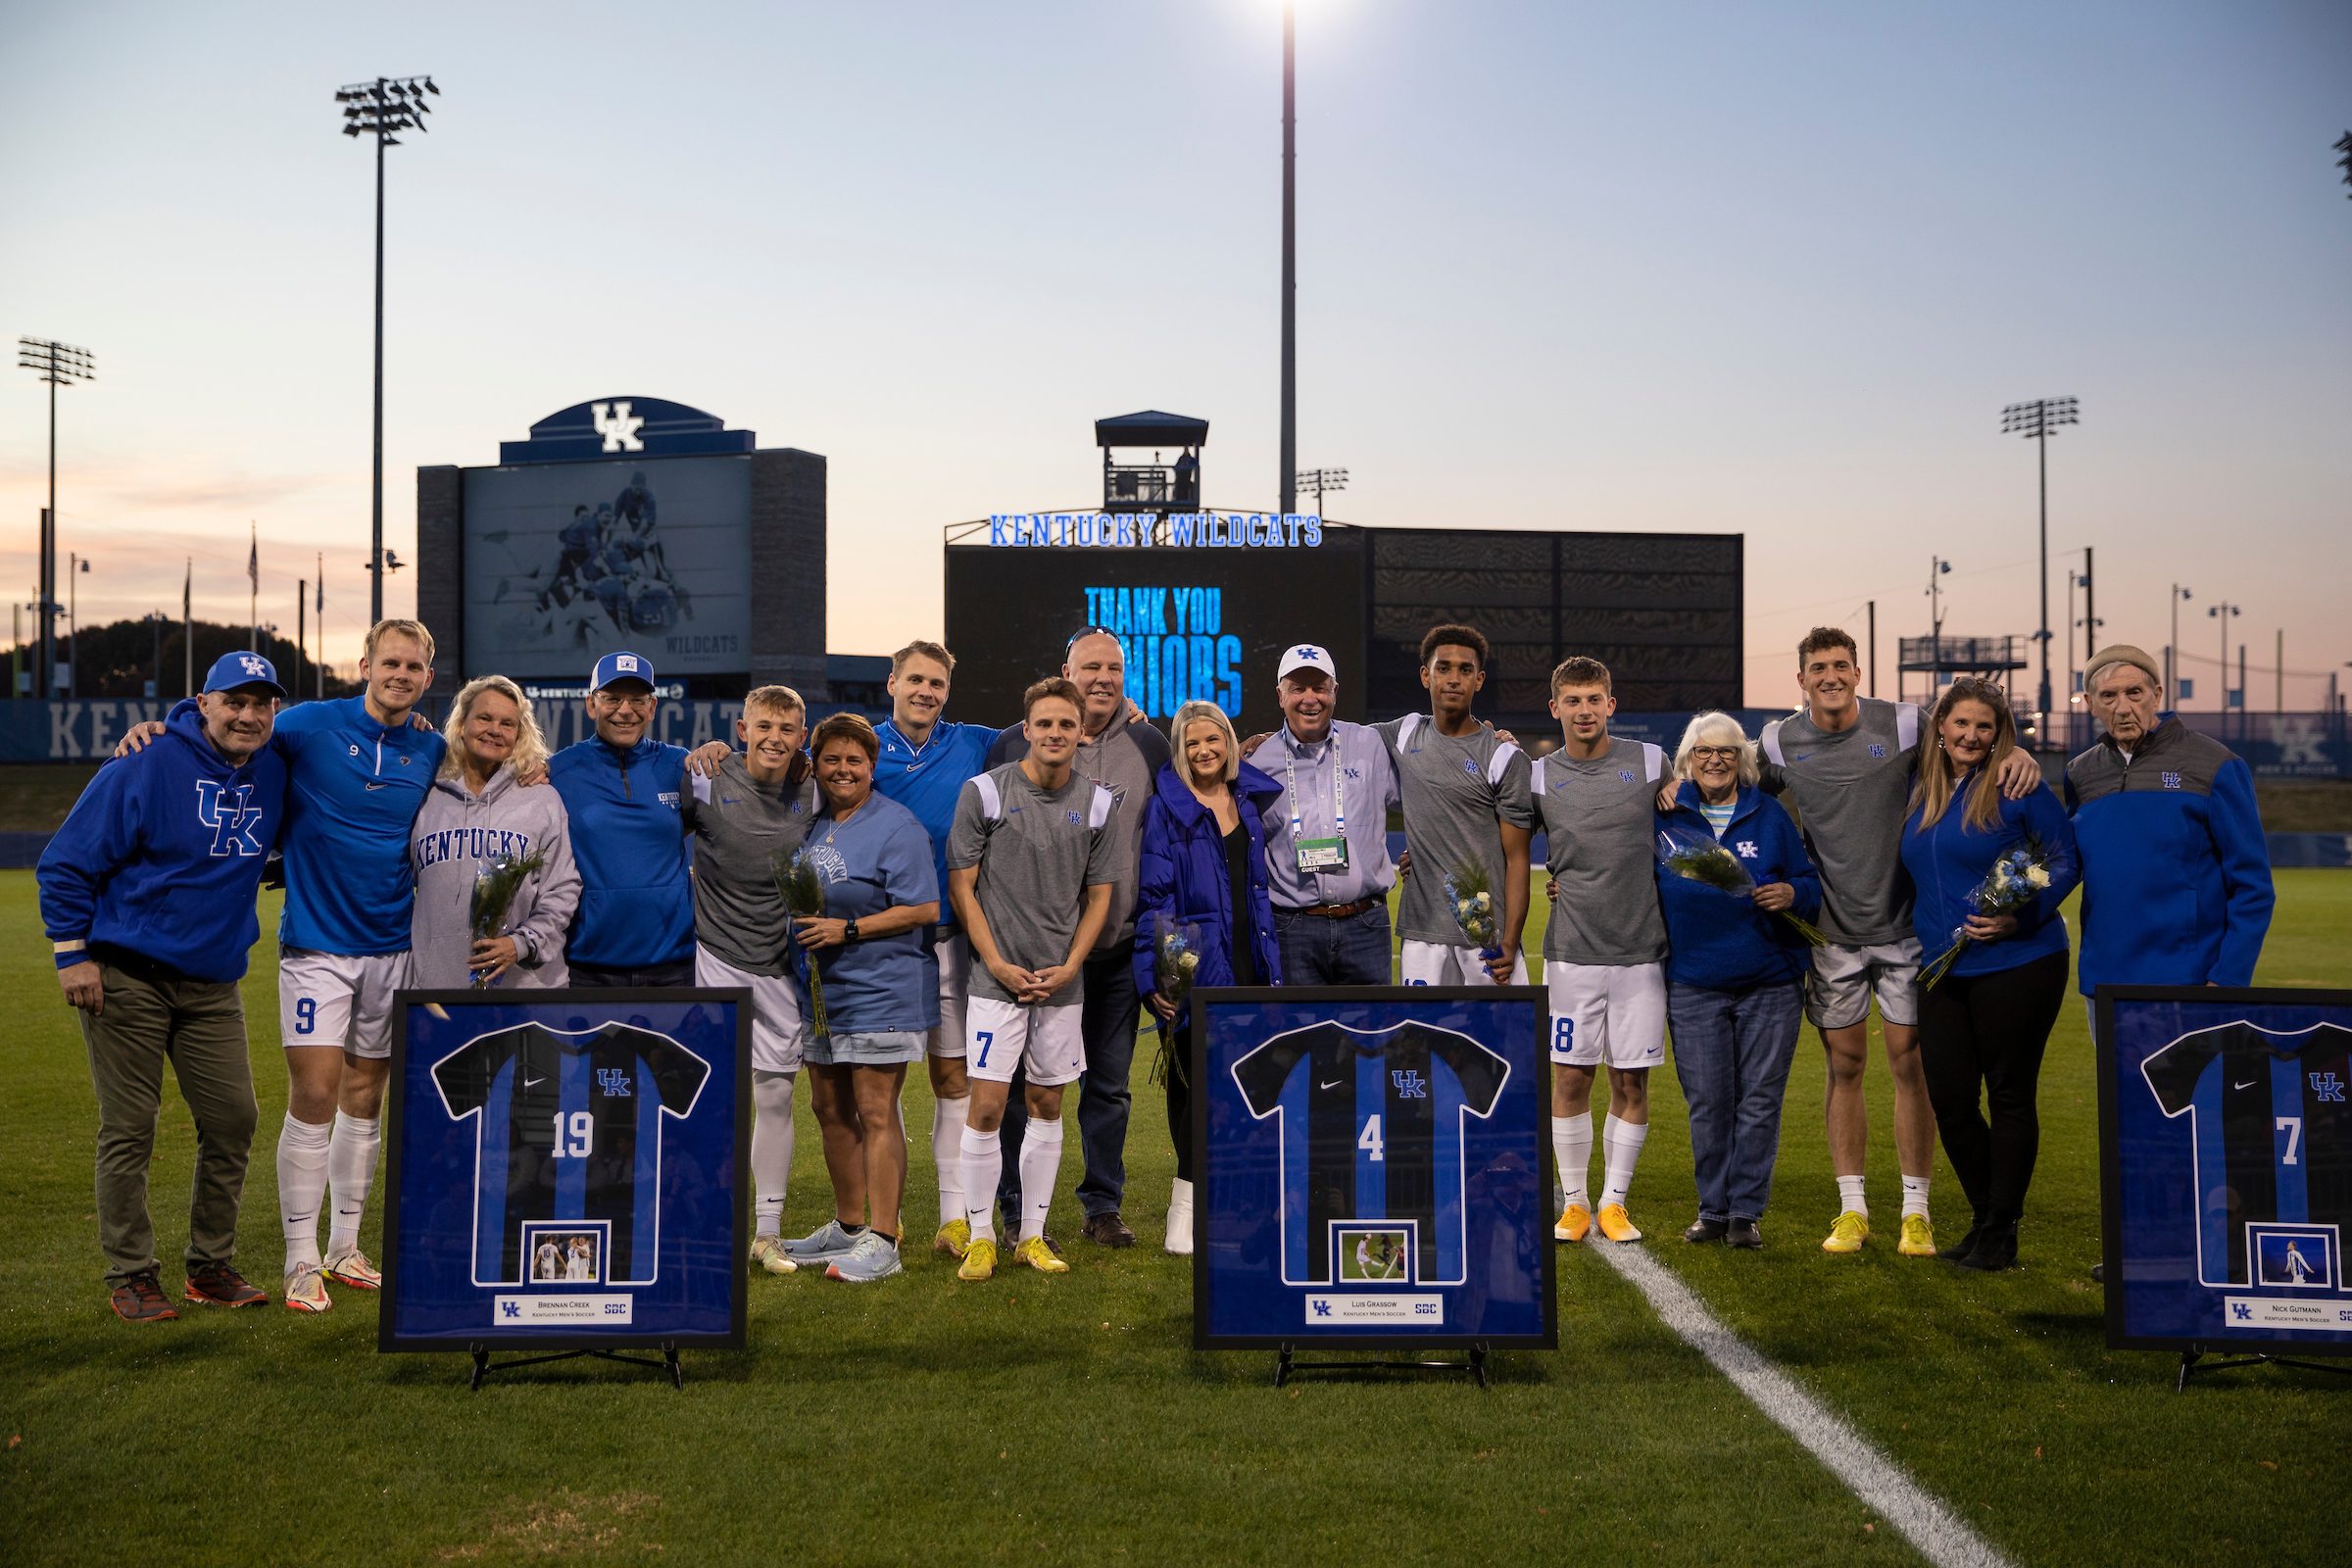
618,427
232,820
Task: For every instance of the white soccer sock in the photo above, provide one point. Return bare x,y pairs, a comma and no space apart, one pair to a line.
1620,1147
946,1154
1572,1149
1040,1164
771,1149
1850,1196
983,1164
301,1184
350,1171
1915,1196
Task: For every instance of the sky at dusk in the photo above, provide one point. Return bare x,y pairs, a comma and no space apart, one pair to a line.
1772,270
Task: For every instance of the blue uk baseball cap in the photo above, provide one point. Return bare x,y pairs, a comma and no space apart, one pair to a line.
232,670
620,667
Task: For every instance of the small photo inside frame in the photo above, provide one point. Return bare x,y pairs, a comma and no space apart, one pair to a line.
565,1253
1377,1253
2294,1258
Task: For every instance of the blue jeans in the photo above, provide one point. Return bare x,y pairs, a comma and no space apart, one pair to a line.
1109,1022
1321,952
1731,1050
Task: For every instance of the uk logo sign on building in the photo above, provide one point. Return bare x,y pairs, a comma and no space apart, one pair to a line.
617,426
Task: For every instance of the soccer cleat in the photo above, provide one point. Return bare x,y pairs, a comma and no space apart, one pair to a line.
1848,1233
1918,1236
874,1257
952,1238
1575,1220
219,1285
139,1298
1616,1224
306,1290
979,1260
767,1252
822,1245
352,1268
1038,1254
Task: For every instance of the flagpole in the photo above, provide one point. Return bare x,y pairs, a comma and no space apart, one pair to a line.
318,667
187,621
253,575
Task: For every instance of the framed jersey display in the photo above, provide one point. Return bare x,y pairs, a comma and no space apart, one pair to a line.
1373,1169
2225,1168
562,1170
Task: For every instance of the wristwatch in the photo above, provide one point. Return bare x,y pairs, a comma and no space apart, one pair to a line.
849,931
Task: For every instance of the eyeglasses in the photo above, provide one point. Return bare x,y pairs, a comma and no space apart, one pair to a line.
1715,754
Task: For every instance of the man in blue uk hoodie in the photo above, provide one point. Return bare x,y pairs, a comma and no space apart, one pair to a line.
147,894
635,923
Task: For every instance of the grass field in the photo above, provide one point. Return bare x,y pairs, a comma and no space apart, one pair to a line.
1068,1420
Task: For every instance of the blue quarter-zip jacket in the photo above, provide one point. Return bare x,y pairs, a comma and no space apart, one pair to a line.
1721,941
628,840
354,790
1948,861
162,853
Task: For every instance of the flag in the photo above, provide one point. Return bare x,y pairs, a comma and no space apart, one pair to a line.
252,563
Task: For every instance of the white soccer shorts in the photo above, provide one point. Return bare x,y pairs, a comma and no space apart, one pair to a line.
1838,992
999,1037
340,999
955,984
1434,964
1613,1012
779,1034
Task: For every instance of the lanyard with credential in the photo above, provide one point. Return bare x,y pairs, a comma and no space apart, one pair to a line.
1318,854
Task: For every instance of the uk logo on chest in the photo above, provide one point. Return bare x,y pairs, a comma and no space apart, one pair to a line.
232,820
1876,749
2172,781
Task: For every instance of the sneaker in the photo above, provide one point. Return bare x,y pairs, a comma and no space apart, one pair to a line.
352,1268
1918,1236
139,1298
874,1257
952,1238
1038,1254
822,1245
1848,1233
767,1252
306,1290
219,1285
979,1259
1616,1224
1575,1220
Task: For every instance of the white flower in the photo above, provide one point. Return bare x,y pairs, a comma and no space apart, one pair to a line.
1484,901
2039,875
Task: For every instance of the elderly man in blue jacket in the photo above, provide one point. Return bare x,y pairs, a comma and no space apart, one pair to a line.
147,894
2175,875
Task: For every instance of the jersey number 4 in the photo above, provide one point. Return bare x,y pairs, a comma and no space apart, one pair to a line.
1371,1142
583,1135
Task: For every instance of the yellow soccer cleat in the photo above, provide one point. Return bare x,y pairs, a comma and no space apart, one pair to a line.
1848,1233
979,1260
1918,1236
952,1238
1038,1255
1616,1224
767,1252
1575,1220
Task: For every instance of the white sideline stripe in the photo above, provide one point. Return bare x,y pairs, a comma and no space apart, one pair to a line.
1940,1536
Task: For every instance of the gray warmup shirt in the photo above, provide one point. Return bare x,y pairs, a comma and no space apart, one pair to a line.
1126,761
1038,853
1456,791
456,833
737,824
1601,824
1366,781
1852,790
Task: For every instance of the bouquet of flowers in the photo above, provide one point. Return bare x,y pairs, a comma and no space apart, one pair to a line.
1704,859
1469,892
1175,960
494,888
803,890
2016,880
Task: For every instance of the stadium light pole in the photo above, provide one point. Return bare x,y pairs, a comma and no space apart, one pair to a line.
1321,479
2172,688
2037,421
1290,259
378,108
59,365
2222,612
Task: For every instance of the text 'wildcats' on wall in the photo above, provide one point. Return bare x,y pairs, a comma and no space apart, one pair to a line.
1182,530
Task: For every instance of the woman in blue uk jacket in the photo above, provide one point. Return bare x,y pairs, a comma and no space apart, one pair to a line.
1202,863
1986,1022
1734,973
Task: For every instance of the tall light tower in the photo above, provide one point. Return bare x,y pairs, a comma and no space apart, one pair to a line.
378,108
59,365
1290,259
2172,649
2222,612
2037,421
1321,479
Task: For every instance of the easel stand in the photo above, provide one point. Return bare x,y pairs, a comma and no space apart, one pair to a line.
1285,1369
2191,1358
482,1366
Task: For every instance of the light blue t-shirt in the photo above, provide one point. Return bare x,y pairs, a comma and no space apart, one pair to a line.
879,860
1717,818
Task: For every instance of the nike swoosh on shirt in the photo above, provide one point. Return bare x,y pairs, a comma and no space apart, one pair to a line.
1333,1084
531,1081
375,786
2248,1084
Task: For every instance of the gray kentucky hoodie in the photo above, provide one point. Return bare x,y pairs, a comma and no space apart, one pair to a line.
457,834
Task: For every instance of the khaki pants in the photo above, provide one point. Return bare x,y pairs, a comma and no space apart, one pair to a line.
199,1027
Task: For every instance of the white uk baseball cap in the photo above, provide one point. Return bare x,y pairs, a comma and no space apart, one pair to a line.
1306,656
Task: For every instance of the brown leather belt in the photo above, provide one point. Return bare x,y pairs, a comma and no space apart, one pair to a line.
1336,911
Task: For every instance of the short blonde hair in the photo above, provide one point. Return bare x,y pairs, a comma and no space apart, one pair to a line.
403,628
1195,713
776,700
530,746
1716,729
